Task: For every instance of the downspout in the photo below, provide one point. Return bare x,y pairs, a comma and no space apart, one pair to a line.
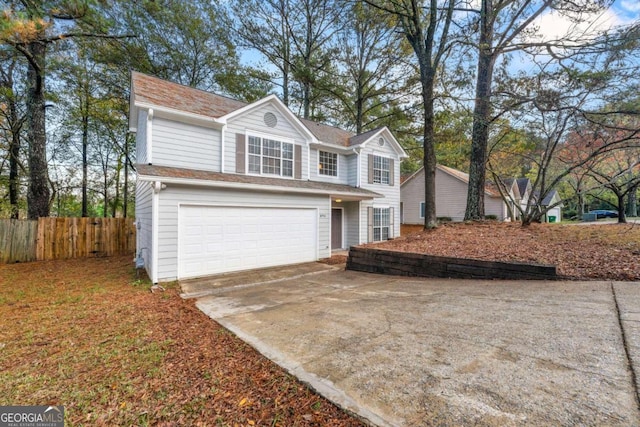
308,161
149,135
358,169
223,132
156,186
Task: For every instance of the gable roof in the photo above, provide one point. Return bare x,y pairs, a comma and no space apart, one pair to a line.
548,198
523,184
329,134
489,188
149,91
511,185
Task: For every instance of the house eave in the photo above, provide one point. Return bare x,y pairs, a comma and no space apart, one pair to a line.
171,113
346,195
332,147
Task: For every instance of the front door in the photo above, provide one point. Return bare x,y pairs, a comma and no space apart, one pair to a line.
336,228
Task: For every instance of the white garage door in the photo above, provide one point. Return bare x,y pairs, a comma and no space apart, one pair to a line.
216,239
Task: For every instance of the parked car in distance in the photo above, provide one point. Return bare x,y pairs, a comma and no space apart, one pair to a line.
603,213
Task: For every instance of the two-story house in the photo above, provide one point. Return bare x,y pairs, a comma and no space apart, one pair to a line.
224,186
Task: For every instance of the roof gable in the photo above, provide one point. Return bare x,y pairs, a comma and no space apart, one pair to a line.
365,138
274,102
152,92
459,175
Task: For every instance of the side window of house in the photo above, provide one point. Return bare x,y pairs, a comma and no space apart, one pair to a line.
380,224
380,170
327,163
421,209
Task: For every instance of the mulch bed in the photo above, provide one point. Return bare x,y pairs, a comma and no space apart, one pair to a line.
595,252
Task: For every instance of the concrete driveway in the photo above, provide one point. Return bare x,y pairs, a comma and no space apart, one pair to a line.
402,351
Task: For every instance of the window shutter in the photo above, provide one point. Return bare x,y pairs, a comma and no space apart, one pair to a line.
370,224
370,168
240,152
391,172
297,162
391,222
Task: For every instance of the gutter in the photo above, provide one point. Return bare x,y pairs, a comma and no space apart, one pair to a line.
256,187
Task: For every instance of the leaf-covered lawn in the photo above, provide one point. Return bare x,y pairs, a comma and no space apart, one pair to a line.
601,251
88,335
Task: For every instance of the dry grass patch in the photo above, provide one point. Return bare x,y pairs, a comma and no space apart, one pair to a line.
602,251
88,335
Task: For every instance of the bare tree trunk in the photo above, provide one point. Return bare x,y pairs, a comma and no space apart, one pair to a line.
85,147
14,153
481,117
429,159
622,218
632,201
39,192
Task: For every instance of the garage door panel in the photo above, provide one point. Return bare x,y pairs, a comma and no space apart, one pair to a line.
221,239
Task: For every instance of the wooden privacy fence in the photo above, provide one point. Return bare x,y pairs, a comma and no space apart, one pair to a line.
60,238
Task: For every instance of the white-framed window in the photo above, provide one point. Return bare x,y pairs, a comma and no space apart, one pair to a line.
381,224
421,209
327,163
267,156
381,170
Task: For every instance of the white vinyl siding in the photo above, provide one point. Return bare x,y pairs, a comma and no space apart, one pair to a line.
351,223
343,171
141,138
555,212
351,166
185,145
144,229
268,156
173,196
391,193
252,123
327,163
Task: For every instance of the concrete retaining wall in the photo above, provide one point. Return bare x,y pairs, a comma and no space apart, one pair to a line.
419,265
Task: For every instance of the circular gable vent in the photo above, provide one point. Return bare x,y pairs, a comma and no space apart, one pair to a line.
381,141
270,119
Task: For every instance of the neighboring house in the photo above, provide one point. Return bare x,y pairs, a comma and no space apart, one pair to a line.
524,188
451,197
554,214
223,185
527,195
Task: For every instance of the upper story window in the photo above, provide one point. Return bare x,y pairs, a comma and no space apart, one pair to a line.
328,163
381,170
270,157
